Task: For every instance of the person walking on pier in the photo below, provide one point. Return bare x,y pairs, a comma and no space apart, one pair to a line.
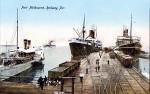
41,82
97,61
108,62
81,77
98,67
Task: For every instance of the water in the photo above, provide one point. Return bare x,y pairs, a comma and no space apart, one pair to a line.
56,55
143,66
53,57
4,48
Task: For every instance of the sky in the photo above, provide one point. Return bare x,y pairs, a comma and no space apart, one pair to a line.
57,22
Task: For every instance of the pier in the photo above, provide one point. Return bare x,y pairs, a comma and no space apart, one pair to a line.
110,78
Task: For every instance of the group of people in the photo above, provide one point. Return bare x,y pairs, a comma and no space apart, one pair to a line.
54,82
45,82
98,66
42,82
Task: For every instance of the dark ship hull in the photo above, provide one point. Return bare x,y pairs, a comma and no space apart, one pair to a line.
129,44
132,49
84,45
81,50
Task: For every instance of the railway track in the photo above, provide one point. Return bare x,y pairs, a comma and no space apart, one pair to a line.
94,81
123,83
140,80
131,82
100,82
113,78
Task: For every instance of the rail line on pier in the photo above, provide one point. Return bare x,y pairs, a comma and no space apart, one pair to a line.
113,78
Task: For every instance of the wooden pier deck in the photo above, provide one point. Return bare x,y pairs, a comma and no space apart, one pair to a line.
112,78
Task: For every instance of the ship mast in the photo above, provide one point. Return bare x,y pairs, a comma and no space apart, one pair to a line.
96,32
17,30
83,31
131,29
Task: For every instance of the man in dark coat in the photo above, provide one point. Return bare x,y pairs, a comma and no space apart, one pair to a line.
41,82
108,62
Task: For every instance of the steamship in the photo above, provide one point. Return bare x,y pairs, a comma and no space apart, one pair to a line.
19,60
129,44
84,45
50,44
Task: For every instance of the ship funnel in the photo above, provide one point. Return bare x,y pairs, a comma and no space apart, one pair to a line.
25,43
92,33
29,44
125,32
